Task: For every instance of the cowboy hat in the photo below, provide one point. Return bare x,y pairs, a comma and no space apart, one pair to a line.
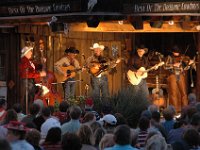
96,45
25,50
72,50
142,47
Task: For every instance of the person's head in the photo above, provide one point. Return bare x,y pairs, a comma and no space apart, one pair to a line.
3,103
75,112
141,50
46,112
97,136
53,135
71,52
192,137
109,120
120,119
27,51
168,114
107,141
63,107
97,49
71,141
33,137
17,107
89,117
85,134
175,50
4,145
11,115
122,135
144,123
34,109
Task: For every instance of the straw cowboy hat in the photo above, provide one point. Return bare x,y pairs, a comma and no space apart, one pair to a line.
96,45
142,47
25,50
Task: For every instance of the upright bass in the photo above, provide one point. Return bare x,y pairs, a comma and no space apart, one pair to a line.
46,91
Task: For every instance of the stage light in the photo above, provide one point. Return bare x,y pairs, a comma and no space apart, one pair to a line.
171,22
156,24
137,22
93,21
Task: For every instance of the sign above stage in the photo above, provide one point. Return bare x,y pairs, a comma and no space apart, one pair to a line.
164,7
41,8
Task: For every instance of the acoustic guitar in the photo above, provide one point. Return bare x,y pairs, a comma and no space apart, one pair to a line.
97,68
136,77
69,70
157,95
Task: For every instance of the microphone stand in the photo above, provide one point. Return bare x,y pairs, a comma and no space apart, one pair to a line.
26,94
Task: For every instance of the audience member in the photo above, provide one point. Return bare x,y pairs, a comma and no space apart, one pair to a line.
122,138
85,135
107,141
18,108
71,141
16,136
33,137
74,124
4,145
53,139
63,114
49,123
3,106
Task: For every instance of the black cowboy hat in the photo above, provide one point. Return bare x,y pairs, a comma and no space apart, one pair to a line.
176,49
142,46
72,50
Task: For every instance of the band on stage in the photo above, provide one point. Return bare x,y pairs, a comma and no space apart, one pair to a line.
38,83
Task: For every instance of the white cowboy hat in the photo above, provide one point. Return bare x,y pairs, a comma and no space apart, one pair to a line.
96,45
25,50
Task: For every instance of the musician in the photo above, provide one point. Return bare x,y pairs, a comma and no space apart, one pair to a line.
135,63
99,81
177,64
28,74
68,60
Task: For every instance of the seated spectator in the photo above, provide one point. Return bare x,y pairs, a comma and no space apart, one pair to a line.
97,136
33,138
74,124
53,139
34,110
157,142
122,138
3,107
177,133
18,108
107,141
85,135
120,119
71,141
11,115
88,118
49,123
168,115
16,136
109,123
144,124
63,114
4,145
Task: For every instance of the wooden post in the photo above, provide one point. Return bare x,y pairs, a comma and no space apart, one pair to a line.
198,67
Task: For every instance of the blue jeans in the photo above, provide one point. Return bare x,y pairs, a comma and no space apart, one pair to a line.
141,89
70,87
100,89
